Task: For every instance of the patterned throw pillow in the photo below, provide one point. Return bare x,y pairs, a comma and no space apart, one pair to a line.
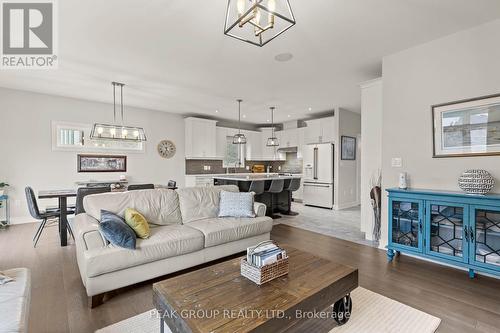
137,222
236,204
116,231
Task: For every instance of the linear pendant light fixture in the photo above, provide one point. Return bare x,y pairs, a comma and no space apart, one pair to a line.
273,140
239,139
244,20
117,132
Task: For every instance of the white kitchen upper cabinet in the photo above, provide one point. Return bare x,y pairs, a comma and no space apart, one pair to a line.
289,138
201,138
221,134
301,141
320,130
254,145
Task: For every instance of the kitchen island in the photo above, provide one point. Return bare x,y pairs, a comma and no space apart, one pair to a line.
281,201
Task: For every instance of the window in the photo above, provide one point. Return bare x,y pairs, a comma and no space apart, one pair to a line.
232,157
76,137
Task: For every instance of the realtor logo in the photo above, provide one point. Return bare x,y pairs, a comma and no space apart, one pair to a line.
28,34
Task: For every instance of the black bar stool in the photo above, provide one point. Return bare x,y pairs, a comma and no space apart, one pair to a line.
275,187
257,186
292,186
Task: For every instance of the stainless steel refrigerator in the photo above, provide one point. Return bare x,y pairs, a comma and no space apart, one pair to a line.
318,174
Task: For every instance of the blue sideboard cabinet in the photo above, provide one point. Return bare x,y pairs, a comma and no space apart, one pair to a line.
451,227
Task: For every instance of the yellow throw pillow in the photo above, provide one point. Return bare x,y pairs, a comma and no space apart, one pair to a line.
137,222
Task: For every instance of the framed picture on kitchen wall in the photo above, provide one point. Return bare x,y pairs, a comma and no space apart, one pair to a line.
348,148
102,163
467,128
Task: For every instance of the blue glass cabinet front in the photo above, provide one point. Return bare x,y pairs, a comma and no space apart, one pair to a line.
406,224
485,236
446,230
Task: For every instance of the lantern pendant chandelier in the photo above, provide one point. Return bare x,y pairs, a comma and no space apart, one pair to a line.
244,20
115,131
273,140
239,139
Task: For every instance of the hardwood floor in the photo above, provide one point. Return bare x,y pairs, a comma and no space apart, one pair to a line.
59,299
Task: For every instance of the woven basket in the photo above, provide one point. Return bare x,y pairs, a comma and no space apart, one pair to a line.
265,273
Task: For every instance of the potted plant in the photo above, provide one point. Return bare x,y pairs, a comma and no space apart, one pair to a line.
2,188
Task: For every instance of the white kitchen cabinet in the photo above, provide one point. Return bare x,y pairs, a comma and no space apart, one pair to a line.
201,138
320,130
254,145
300,142
288,138
199,180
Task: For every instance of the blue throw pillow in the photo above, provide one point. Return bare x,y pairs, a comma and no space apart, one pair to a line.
116,230
236,204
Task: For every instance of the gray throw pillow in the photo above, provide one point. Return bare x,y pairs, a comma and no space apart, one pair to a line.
236,204
116,230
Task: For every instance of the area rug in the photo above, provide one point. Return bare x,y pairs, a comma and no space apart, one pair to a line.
372,313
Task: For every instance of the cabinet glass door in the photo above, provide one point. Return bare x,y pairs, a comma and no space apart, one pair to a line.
406,224
445,231
485,236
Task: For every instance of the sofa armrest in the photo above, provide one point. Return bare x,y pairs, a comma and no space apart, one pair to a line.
260,209
86,231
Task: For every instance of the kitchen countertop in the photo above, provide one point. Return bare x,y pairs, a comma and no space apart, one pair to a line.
241,174
255,176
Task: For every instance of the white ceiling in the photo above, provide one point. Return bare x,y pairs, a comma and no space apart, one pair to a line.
174,57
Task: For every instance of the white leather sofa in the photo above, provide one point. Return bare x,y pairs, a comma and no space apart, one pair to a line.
15,299
185,232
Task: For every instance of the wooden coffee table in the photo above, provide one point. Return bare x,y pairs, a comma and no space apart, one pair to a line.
219,299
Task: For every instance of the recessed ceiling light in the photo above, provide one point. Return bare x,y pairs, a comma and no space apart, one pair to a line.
268,120
310,108
244,116
288,116
216,111
282,57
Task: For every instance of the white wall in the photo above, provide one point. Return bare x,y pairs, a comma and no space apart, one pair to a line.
460,66
371,148
349,123
26,151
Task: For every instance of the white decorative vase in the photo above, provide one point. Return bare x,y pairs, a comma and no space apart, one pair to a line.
476,181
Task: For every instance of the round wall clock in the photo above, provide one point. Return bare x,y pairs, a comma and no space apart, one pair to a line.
166,149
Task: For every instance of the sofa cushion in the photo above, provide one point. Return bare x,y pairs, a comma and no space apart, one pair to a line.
236,204
137,222
199,203
228,229
158,206
116,230
164,242
15,301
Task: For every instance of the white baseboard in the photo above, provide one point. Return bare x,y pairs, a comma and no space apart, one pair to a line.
346,205
21,220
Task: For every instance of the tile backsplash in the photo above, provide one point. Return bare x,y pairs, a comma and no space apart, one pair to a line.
196,167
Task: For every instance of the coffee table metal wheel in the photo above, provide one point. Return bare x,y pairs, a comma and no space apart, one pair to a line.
342,309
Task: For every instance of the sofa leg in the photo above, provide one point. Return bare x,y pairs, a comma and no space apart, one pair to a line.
96,300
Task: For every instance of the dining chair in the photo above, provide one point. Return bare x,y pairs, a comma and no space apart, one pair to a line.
140,187
35,212
82,192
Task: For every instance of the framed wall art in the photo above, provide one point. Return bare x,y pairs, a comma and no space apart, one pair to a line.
102,163
467,128
348,148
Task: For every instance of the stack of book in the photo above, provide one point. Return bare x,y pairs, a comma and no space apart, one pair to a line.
265,255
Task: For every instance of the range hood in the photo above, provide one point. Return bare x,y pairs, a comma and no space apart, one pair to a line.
287,150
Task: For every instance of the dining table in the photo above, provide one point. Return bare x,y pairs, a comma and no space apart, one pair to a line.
62,196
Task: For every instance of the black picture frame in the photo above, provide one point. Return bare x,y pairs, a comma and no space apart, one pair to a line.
347,148
101,163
